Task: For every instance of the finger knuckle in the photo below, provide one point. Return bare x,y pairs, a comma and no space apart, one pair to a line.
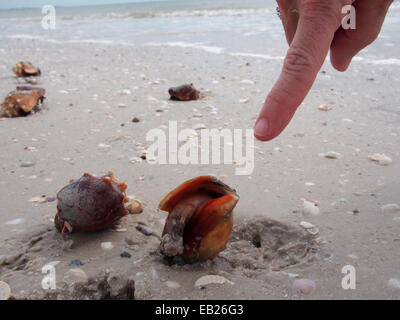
297,61
323,11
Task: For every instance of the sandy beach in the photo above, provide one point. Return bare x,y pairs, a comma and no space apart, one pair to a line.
93,91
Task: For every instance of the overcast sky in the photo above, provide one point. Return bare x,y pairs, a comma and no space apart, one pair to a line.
8,4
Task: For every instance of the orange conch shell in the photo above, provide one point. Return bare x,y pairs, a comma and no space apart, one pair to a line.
26,69
200,219
22,101
90,204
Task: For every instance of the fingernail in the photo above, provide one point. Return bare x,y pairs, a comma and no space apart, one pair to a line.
261,128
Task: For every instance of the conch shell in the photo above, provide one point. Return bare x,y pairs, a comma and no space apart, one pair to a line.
185,92
90,204
26,69
200,219
22,101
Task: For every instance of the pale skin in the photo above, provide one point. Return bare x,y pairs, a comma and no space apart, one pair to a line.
313,28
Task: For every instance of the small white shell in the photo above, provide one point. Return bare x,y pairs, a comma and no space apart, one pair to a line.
304,286
246,81
107,245
311,229
77,275
306,225
391,207
323,107
5,291
382,159
15,221
394,283
332,155
172,284
310,208
211,279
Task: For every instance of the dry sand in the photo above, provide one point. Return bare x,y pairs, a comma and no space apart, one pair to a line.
82,128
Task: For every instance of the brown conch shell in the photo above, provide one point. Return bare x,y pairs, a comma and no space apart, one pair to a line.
90,204
200,219
185,92
26,69
22,101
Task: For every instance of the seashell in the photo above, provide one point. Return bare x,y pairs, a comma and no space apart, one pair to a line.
394,283
26,69
135,207
77,275
14,222
245,81
323,107
185,92
107,246
211,279
5,291
311,229
390,208
200,219
310,208
22,101
382,159
90,204
332,155
172,284
304,286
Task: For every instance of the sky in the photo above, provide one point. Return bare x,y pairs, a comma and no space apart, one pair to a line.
8,4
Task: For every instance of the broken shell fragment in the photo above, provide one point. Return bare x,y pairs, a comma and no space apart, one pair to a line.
185,92
304,286
26,69
5,291
323,107
90,204
22,101
211,279
310,208
200,219
381,159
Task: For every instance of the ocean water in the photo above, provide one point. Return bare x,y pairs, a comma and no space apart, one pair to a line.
238,27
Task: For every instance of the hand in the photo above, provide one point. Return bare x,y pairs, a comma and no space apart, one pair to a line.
312,27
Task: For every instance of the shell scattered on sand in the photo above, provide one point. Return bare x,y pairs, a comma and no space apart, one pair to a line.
381,159
391,207
310,228
323,107
107,245
199,126
331,155
211,279
310,208
14,222
172,284
394,283
5,291
304,286
135,207
246,81
77,275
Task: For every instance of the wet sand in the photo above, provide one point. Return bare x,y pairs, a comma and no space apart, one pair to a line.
85,125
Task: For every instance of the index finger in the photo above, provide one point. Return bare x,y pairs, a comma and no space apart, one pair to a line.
317,25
